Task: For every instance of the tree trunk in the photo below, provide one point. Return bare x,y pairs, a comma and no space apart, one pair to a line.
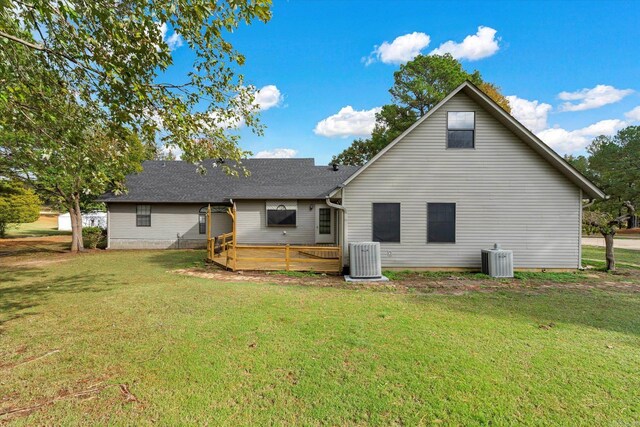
77,244
611,261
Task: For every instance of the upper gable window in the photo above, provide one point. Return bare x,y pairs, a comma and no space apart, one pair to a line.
461,127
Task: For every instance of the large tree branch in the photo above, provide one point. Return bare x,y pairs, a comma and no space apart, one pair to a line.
45,49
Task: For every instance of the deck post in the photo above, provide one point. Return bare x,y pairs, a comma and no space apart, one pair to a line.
287,260
235,239
210,247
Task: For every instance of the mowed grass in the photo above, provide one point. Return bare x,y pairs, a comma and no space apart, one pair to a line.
46,225
595,255
196,351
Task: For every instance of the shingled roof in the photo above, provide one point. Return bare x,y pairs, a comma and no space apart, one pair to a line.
180,182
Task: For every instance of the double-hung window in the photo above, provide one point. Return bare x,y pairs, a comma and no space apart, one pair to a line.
461,129
386,222
441,222
143,215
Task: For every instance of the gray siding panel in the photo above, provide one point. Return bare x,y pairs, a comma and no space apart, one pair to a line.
504,192
252,224
172,226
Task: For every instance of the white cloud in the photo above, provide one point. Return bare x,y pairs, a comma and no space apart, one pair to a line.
633,115
268,97
174,41
592,98
236,121
401,50
276,153
348,122
564,141
532,114
473,47
171,149
265,98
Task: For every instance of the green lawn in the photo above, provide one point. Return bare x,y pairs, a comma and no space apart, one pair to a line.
46,225
196,351
623,256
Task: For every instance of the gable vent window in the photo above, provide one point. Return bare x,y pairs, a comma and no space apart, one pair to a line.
143,215
441,222
281,213
461,129
386,222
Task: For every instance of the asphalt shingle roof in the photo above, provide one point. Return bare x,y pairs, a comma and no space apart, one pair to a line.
179,182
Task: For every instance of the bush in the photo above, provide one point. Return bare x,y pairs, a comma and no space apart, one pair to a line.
17,205
94,237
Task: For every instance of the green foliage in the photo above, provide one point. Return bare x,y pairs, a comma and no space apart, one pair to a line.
614,166
18,205
580,163
391,121
94,237
418,86
114,56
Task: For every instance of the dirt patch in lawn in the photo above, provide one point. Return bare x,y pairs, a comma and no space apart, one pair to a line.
451,284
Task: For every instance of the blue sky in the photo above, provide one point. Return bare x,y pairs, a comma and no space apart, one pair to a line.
315,53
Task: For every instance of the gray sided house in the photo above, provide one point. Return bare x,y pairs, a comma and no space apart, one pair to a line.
463,177
281,201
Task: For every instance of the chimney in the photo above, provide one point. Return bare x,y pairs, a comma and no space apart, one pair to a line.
335,167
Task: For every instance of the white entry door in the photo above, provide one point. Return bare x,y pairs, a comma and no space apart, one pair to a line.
324,224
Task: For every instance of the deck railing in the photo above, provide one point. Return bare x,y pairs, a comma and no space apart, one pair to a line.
279,257
225,251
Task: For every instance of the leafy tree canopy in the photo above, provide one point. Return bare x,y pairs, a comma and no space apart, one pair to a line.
613,165
113,53
418,86
66,149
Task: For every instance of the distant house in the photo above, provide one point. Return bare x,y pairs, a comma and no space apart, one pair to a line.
464,176
89,219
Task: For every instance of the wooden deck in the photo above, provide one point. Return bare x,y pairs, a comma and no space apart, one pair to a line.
326,259
225,251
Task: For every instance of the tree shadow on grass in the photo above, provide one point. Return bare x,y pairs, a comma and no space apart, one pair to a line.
611,311
20,247
23,289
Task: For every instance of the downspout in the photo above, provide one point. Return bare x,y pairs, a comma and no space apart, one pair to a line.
108,226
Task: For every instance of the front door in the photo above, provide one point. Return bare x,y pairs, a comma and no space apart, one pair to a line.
324,224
